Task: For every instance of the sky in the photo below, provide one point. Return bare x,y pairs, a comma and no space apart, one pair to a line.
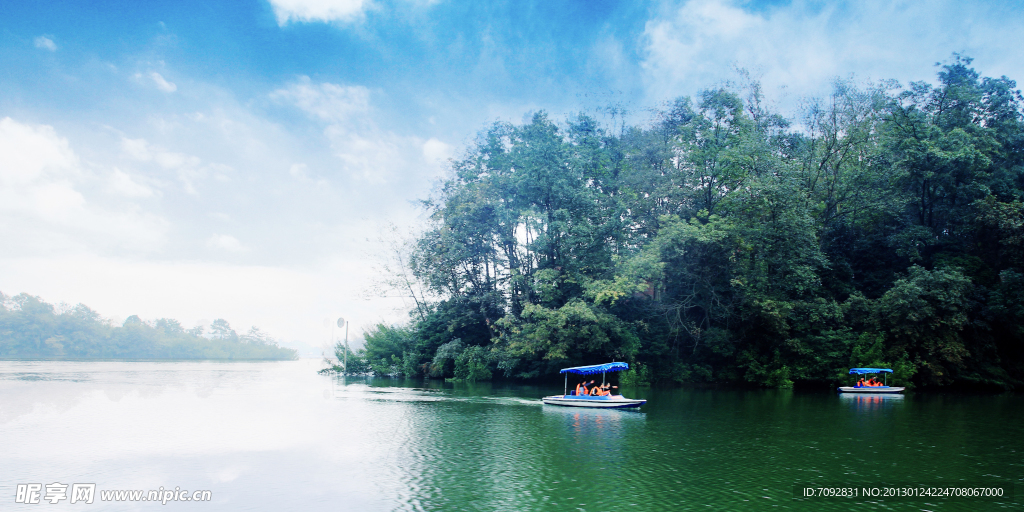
242,159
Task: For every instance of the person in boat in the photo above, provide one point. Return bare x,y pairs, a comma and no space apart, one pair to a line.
581,388
860,383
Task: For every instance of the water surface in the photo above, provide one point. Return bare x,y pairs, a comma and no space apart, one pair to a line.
276,436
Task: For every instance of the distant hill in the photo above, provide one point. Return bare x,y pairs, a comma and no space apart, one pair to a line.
31,329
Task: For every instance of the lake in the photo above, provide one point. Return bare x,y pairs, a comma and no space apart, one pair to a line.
277,436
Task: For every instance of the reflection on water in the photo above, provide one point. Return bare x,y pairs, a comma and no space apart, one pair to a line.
868,402
276,436
593,428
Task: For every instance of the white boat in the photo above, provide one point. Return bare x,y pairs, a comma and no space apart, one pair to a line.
609,401
872,390
606,402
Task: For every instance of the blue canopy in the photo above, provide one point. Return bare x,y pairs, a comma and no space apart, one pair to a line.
861,371
597,368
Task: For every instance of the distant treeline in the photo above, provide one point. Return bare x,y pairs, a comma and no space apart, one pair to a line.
726,243
32,329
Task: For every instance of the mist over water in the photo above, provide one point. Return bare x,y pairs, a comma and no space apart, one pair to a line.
277,436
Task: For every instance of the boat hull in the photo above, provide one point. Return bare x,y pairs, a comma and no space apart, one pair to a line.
601,402
871,390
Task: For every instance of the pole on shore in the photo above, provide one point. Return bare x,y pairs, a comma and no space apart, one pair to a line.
342,322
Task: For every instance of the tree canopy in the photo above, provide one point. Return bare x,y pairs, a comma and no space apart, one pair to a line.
725,243
33,329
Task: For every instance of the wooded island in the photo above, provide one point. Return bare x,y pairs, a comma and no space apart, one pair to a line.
31,329
725,243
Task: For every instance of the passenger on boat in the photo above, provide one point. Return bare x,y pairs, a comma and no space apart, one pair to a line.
580,389
860,383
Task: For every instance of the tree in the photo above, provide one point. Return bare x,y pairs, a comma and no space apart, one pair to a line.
221,329
718,243
923,315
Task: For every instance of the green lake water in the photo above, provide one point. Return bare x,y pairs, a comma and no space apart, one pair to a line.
276,436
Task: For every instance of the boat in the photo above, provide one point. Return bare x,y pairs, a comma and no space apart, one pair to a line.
886,389
568,399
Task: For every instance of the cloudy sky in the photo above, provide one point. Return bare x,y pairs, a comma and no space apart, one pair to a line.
231,159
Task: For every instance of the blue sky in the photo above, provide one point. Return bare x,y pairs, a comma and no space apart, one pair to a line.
198,160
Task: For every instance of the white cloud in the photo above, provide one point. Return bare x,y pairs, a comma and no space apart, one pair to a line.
225,243
301,174
122,183
45,43
188,169
298,171
88,224
371,156
698,45
317,10
27,153
367,152
327,101
43,207
796,48
437,152
161,83
136,148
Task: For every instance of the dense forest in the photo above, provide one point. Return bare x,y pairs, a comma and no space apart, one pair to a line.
31,329
724,243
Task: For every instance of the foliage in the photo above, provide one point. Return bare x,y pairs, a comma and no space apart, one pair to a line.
639,376
923,315
443,364
721,244
472,365
33,329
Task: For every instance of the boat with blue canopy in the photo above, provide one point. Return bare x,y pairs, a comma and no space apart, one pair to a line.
883,389
571,399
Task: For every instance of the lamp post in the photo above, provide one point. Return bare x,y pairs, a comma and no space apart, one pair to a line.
343,323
